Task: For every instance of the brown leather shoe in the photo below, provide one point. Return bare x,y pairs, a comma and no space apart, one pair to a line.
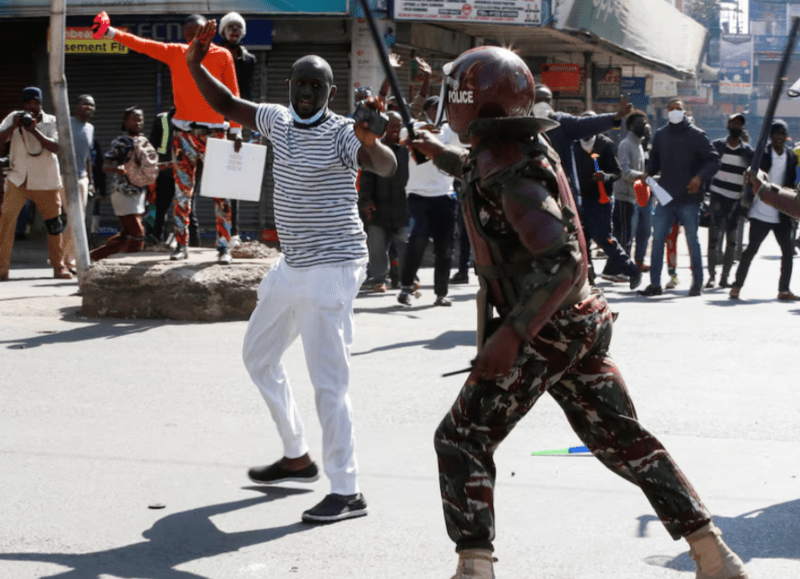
62,273
788,297
734,293
643,267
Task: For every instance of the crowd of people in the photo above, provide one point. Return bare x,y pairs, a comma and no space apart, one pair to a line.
356,209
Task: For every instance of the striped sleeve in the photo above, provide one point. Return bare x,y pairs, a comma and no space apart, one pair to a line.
348,145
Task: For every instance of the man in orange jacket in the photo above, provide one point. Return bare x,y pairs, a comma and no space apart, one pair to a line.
194,122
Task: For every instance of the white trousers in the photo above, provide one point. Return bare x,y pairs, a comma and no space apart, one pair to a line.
315,303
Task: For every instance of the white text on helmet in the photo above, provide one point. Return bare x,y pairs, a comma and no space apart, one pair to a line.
460,97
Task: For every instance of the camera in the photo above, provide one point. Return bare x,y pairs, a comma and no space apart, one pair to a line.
25,118
376,119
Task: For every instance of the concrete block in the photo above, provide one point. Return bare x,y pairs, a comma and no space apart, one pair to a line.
149,286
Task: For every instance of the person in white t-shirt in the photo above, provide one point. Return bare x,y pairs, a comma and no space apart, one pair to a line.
433,207
311,290
780,163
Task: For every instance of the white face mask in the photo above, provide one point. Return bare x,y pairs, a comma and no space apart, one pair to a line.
676,116
588,144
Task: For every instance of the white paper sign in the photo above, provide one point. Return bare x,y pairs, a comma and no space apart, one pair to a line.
231,175
661,194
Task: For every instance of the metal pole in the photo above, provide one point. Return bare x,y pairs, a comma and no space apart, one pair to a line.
66,155
777,89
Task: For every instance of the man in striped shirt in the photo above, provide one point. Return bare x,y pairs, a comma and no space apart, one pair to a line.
726,194
311,290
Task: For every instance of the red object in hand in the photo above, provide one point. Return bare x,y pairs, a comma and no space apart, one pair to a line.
642,191
101,24
600,185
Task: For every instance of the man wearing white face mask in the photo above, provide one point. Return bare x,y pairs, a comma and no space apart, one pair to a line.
596,207
684,157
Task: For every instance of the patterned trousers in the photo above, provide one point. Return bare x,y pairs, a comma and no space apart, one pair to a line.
569,359
188,152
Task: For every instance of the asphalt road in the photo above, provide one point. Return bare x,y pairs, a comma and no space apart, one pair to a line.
124,444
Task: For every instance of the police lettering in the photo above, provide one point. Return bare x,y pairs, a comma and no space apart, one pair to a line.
460,97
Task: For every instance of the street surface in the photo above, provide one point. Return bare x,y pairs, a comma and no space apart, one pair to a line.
124,444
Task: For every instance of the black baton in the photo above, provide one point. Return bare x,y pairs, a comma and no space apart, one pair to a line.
392,76
773,100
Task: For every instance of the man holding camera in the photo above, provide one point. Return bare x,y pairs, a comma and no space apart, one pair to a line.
35,174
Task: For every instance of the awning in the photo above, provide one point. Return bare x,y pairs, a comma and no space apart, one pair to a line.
651,34
652,30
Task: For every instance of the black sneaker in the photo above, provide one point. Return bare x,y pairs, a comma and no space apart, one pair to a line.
651,290
635,279
336,508
277,473
460,277
404,298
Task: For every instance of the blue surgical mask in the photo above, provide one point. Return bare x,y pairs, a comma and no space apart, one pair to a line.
310,120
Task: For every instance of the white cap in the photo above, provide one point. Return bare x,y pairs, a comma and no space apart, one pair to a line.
228,19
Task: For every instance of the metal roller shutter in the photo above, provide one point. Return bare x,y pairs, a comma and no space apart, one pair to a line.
116,83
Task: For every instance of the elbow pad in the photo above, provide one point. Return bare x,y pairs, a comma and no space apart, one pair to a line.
545,288
783,199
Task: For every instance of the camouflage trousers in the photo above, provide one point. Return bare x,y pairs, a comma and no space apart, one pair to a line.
569,359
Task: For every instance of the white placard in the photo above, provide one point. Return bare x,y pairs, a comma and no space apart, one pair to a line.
661,194
231,175
508,11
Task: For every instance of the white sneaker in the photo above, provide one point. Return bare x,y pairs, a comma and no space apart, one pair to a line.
224,257
236,241
673,282
474,564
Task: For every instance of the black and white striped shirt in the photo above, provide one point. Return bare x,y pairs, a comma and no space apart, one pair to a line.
729,180
316,202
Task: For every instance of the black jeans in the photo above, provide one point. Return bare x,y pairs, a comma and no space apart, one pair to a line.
431,217
758,233
724,220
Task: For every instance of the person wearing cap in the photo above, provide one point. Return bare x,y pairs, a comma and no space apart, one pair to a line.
194,123
233,28
726,190
780,163
36,175
432,206
683,158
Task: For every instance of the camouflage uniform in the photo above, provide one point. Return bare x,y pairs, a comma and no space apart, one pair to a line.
568,357
570,360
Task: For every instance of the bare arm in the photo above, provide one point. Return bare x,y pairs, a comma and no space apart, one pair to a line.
217,94
48,143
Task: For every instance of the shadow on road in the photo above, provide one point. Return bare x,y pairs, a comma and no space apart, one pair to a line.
768,533
445,341
172,541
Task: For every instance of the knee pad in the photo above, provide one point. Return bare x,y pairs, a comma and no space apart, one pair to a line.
54,226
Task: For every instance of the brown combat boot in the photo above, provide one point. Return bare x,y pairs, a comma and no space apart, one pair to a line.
714,559
474,564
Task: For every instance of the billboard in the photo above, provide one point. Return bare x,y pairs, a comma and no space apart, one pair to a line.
735,63
42,7
529,12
